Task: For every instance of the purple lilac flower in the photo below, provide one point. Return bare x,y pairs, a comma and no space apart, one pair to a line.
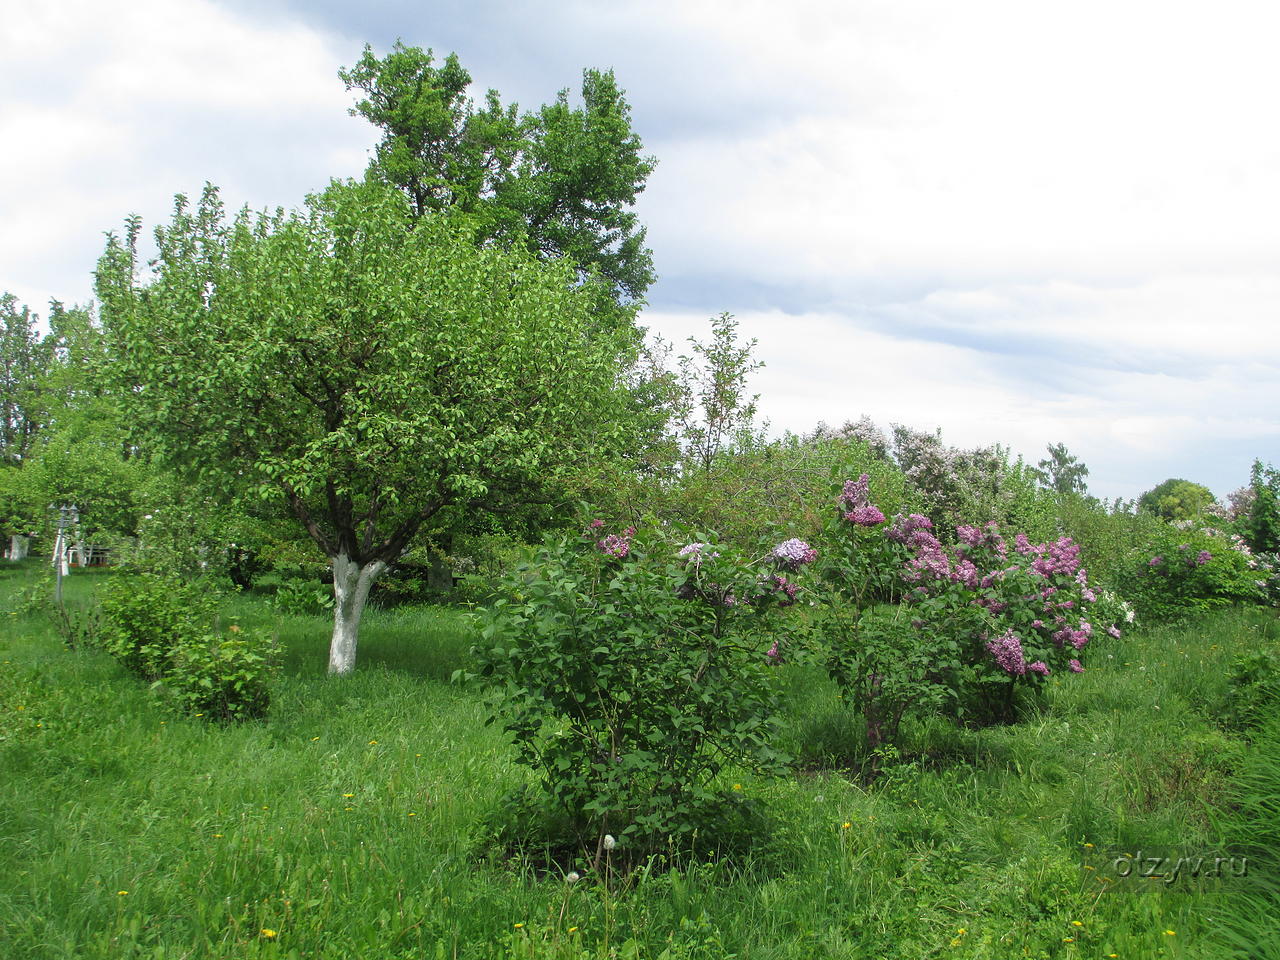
616,546
1040,667
774,655
794,553
904,527
970,536
1155,561
1075,666
597,523
966,573
1088,596
855,493
866,516
1022,544
1114,631
1007,650
787,587
1203,557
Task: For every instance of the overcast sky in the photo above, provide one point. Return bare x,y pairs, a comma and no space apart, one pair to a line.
1022,222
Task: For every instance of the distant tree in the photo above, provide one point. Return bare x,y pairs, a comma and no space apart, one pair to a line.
1262,522
23,363
1061,472
561,181
365,363
1176,499
714,413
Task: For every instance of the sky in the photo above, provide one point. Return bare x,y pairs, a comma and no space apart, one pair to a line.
1020,222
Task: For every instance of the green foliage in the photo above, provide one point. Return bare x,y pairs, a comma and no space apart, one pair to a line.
630,676
1061,472
1178,572
1255,688
561,182
1262,524
295,595
1177,499
223,677
147,617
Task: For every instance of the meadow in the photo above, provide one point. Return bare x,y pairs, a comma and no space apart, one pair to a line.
362,817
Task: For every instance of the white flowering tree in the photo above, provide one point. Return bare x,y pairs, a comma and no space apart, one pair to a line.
369,369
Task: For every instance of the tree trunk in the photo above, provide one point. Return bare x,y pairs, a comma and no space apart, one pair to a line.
351,583
17,547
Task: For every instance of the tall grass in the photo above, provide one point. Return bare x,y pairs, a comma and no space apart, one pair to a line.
352,823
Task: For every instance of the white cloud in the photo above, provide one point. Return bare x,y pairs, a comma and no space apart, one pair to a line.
111,108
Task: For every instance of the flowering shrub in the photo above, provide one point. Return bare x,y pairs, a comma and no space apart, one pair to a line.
978,618
1184,568
629,677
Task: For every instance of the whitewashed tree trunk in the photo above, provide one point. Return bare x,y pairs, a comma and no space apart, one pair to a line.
351,583
17,547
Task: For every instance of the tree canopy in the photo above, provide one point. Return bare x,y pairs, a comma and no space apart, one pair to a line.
560,181
1176,499
367,365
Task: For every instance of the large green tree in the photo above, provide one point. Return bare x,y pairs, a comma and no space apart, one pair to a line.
561,181
1061,471
1177,499
370,365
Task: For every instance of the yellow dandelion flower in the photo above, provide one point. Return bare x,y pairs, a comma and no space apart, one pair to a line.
412,814
217,836
737,786
846,825
199,714
1170,933
1076,923
268,933
314,739
348,794
961,930
1068,940
573,929
122,893
519,925
373,743
1088,846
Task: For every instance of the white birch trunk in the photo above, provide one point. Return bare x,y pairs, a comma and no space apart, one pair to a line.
17,547
351,583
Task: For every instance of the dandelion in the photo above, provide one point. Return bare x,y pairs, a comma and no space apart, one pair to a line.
412,814
1170,933
348,795
122,893
609,843
314,739
572,877
737,786
268,933
1076,923
846,825
373,743
217,836
573,929
1089,846
1068,940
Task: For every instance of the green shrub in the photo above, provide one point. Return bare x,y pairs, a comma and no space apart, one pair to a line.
631,671
148,616
224,677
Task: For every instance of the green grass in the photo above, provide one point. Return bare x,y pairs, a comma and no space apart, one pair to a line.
216,834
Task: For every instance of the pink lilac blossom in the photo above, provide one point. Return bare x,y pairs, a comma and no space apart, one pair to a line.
616,546
696,553
1007,651
1038,666
1114,631
1022,544
866,516
773,654
1155,561
1075,666
1203,557
597,523
787,587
